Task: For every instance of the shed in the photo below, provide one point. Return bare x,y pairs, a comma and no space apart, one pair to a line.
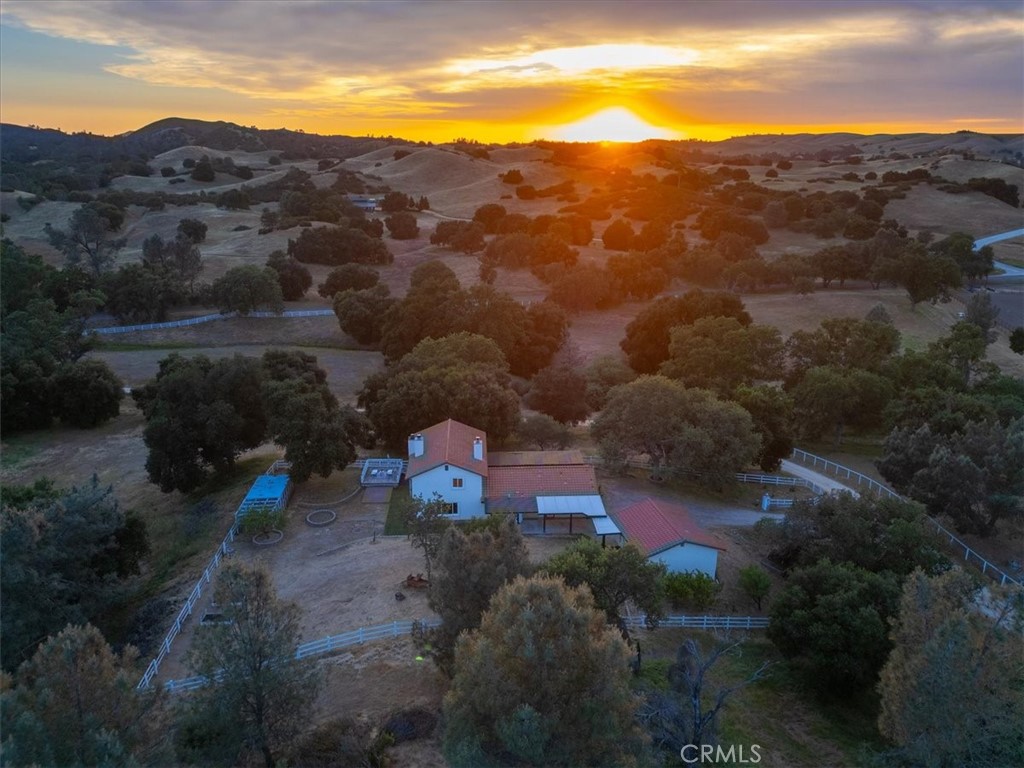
667,533
268,492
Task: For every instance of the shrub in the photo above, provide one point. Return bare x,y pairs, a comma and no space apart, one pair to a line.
167,171
203,171
693,590
262,520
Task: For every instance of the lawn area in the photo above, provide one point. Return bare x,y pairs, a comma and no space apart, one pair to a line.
396,524
791,727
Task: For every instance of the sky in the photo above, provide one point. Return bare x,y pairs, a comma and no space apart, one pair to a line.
509,71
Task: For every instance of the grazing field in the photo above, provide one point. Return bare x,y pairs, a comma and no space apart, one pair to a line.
346,369
182,541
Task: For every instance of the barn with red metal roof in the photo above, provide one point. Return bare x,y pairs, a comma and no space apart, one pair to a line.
667,533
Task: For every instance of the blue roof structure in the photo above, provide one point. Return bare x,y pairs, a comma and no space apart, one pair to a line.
267,489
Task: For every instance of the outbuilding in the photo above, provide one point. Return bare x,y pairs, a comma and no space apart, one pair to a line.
667,533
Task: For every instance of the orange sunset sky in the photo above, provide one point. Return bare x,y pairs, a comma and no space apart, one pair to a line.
517,71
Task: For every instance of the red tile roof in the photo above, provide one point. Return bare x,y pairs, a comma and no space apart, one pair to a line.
540,481
534,458
450,442
656,525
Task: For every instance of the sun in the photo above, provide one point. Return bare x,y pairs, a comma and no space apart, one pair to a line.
615,124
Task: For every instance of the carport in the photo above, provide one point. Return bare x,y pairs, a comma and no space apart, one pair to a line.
588,506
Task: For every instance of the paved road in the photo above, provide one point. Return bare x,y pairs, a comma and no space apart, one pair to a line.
1008,269
826,482
1012,234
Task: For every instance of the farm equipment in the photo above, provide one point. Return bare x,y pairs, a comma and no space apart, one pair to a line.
416,582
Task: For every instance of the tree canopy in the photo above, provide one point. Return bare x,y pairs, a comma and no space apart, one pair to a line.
200,415
88,241
463,377
436,305
875,534
648,335
832,620
676,429
263,694
335,246
615,576
67,558
303,416
75,703
950,689
719,353
539,646
468,570
975,477
246,289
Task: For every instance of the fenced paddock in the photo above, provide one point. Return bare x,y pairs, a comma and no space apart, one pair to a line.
224,550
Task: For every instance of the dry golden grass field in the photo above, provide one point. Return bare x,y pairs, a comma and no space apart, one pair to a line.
337,573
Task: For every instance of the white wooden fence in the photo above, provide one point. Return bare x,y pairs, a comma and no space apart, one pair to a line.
838,470
210,318
362,635
186,610
702,622
969,554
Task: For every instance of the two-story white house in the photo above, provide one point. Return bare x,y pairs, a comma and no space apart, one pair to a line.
450,459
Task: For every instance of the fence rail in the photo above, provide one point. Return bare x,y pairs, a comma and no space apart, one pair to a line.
325,645
208,319
703,622
838,470
186,610
400,628
969,554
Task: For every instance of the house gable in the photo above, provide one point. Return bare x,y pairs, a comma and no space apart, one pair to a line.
657,526
450,442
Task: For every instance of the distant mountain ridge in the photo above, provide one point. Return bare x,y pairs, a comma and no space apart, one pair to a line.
172,132
29,144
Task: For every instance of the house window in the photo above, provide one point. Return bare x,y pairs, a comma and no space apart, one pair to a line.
450,509
456,482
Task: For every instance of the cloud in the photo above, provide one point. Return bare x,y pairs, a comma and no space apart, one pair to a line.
389,58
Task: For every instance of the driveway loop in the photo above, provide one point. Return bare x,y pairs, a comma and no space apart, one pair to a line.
321,517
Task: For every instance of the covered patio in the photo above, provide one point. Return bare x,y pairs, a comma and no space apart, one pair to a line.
561,514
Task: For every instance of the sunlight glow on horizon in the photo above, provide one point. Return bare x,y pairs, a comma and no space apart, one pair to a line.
625,73
614,124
